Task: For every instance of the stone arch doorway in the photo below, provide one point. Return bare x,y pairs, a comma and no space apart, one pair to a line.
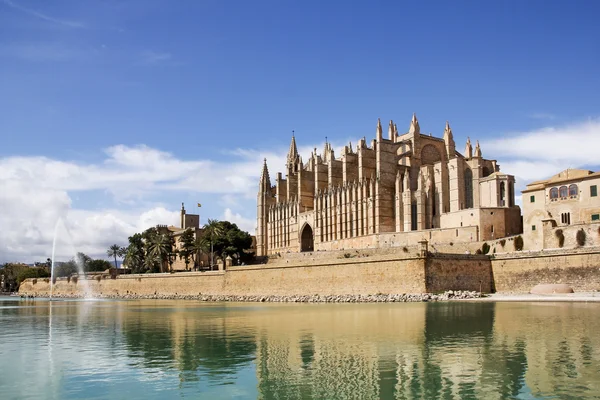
307,241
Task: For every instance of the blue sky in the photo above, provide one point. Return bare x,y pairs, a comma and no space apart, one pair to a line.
114,112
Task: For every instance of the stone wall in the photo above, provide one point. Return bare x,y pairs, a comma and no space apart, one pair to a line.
519,272
365,273
460,272
569,232
377,274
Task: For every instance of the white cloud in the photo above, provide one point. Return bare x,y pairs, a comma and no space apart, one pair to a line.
37,192
45,17
245,224
541,153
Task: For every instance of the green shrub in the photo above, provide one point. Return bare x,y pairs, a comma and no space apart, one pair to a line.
478,251
560,236
580,237
518,243
485,248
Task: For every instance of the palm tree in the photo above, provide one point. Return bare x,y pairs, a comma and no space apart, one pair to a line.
151,263
133,259
160,249
197,249
186,241
115,251
212,231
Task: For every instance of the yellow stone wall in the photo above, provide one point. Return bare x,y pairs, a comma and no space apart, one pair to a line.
519,272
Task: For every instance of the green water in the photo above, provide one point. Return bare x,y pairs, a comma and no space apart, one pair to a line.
187,349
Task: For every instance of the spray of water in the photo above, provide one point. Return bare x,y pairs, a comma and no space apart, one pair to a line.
53,253
78,262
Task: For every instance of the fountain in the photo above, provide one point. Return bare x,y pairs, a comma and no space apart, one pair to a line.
80,270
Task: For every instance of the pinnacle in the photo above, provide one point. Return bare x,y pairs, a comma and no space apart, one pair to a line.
414,125
293,149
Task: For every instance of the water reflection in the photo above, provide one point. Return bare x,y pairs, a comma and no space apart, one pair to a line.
164,349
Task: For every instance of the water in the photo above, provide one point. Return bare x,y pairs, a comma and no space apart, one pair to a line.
186,349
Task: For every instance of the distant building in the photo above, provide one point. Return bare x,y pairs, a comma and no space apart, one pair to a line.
187,221
391,192
566,201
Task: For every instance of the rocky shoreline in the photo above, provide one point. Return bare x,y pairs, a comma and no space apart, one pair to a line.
346,298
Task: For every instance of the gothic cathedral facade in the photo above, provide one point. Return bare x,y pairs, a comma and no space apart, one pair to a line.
394,191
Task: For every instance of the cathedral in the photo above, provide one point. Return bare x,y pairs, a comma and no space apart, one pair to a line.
393,191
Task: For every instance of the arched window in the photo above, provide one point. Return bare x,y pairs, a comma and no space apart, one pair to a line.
553,193
502,194
563,191
573,190
468,188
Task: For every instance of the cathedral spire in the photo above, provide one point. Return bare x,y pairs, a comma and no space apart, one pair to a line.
293,149
449,141
477,150
379,133
391,130
468,149
265,180
448,131
414,125
292,157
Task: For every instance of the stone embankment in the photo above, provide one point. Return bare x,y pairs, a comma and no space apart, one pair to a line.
348,298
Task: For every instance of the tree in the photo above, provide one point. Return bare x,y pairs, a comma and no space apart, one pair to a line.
160,250
198,249
98,265
186,251
62,269
82,260
152,263
135,253
212,232
115,251
11,273
36,272
228,240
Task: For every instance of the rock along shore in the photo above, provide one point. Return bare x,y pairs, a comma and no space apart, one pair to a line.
343,298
